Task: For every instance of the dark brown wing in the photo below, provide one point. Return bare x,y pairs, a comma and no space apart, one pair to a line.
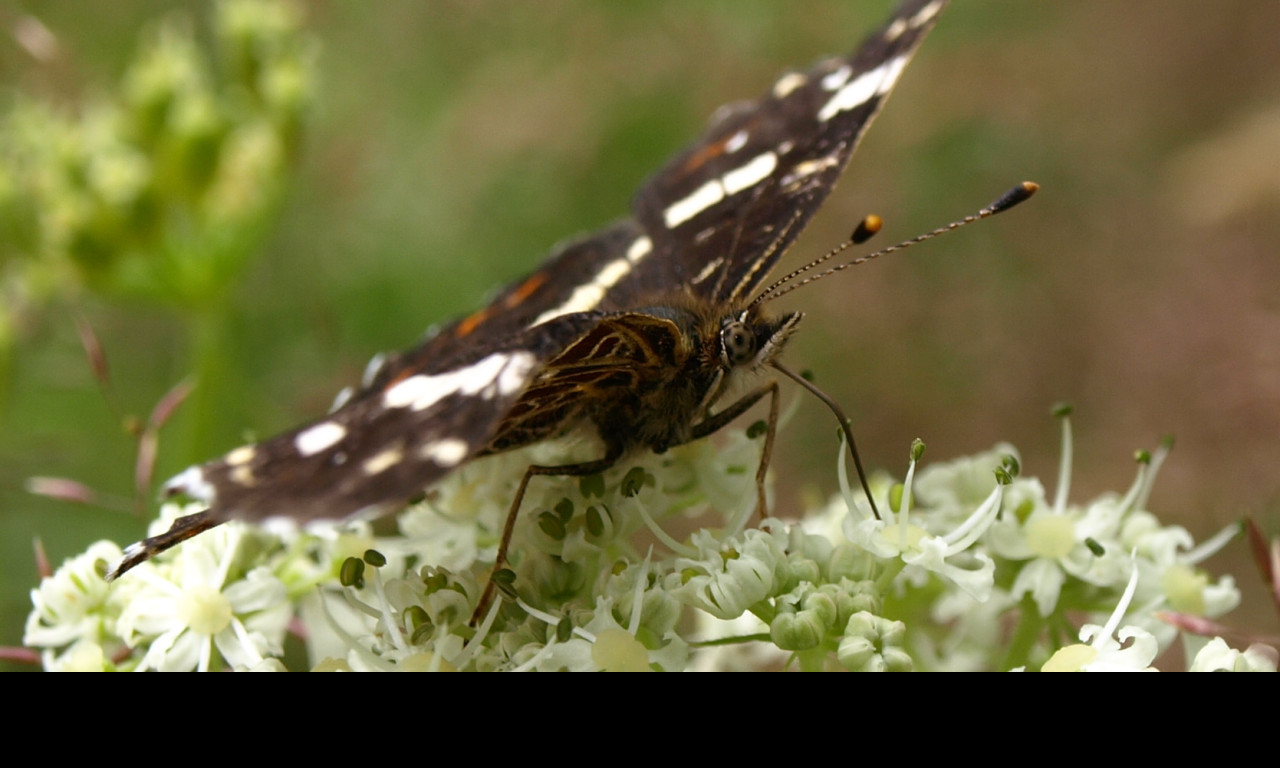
720,213
714,220
387,442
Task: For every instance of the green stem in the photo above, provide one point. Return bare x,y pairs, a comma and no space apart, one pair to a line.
210,355
1024,635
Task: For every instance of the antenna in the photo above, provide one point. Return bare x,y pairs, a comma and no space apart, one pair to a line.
871,224
844,426
868,227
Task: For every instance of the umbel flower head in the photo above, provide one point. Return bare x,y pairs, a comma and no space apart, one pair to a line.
197,605
197,609
968,567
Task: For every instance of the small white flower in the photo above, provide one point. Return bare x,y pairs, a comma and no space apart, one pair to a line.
72,604
604,644
955,487
726,578
1057,546
1062,542
188,608
1217,656
894,536
1170,578
83,656
1102,648
874,644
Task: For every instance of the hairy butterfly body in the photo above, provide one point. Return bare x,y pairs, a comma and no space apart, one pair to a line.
637,331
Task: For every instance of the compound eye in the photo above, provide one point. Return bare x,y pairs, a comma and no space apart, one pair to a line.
737,345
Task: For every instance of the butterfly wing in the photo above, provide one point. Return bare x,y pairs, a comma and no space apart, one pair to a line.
715,218
722,212
406,430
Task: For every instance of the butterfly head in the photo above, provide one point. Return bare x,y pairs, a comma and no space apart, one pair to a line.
751,339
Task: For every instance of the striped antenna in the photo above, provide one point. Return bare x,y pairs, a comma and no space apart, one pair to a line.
871,224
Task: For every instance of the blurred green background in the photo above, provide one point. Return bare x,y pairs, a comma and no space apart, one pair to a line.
450,144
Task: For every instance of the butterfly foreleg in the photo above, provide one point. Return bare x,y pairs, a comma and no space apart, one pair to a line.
715,422
581,469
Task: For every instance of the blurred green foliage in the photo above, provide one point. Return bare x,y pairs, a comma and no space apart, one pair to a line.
158,191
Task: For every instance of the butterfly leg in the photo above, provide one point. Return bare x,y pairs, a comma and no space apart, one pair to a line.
182,529
716,422
567,470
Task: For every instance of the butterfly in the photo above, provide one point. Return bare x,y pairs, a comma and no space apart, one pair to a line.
637,331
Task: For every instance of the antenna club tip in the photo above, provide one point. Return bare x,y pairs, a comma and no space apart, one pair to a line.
867,228
1019,194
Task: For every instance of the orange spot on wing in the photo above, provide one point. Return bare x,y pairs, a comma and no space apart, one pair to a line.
706,153
471,322
510,301
525,290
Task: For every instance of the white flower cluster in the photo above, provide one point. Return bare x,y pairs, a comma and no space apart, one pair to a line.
197,609
967,566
